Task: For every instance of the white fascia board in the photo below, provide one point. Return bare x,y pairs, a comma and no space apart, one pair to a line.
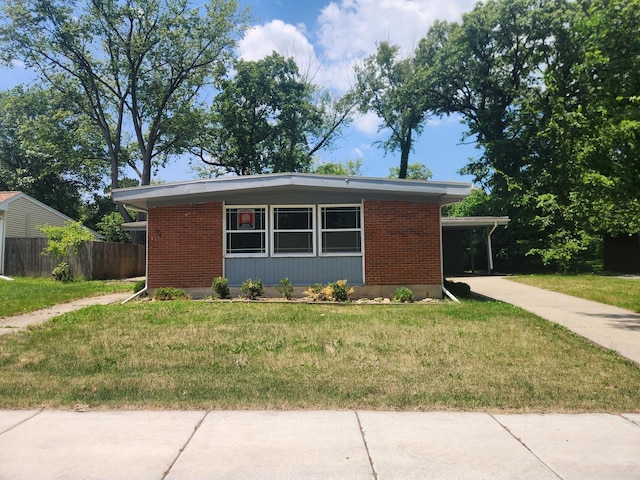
474,221
142,197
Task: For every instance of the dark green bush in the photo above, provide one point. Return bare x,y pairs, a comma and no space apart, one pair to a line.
458,289
220,285
139,285
62,273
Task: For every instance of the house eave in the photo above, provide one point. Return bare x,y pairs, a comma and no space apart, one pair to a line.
199,191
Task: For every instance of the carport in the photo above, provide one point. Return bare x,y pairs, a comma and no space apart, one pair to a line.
453,248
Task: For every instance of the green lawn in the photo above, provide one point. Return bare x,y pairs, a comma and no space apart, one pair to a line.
620,292
28,294
206,355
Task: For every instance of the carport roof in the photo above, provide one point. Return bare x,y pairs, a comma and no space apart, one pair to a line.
468,223
201,191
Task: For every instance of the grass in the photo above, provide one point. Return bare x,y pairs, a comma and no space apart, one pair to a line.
486,356
620,292
24,295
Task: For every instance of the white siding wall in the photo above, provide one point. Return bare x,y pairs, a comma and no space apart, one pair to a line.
23,216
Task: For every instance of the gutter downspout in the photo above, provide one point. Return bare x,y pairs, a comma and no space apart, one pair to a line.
490,249
449,294
137,294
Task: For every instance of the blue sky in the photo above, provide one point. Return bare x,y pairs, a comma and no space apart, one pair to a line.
327,39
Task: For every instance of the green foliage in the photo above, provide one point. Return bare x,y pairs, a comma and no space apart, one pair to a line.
403,295
64,241
285,288
415,171
139,285
169,293
395,90
269,118
135,68
48,149
338,291
252,288
351,168
62,273
220,285
111,227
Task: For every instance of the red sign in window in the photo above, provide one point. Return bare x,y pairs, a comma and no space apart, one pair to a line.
246,219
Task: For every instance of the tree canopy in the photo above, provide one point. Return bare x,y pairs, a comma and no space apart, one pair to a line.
268,118
135,67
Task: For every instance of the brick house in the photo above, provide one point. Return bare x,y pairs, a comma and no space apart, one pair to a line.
377,233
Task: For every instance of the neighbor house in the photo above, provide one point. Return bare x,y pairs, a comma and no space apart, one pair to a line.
20,215
376,233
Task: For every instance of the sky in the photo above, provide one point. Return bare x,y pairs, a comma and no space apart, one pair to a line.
327,38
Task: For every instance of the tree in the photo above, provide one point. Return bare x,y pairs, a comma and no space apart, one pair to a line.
135,67
394,90
269,118
415,171
352,168
48,149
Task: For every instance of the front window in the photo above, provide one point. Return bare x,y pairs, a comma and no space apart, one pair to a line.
246,231
341,230
293,231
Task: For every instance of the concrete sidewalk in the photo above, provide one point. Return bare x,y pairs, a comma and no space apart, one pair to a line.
316,445
20,322
608,326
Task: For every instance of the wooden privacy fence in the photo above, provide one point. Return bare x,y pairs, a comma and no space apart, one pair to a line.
94,261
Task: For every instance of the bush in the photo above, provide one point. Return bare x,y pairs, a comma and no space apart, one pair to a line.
403,295
169,293
62,273
339,291
252,288
139,285
458,289
285,288
220,285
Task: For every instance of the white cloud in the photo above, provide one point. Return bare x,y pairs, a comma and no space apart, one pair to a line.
284,38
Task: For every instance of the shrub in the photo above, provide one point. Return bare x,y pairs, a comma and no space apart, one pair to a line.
252,288
339,291
62,273
458,289
169,293
285,288
220,285
403,295
139,285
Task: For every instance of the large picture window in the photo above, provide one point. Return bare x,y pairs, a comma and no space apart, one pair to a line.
340,230
246,231
293,232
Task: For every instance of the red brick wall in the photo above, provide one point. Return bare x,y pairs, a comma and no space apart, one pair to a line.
402,243
185,245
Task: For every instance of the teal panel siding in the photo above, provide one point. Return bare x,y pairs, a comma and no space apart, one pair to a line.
300,270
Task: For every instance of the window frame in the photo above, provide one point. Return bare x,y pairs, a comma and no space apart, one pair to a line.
273,231
264,231
321,230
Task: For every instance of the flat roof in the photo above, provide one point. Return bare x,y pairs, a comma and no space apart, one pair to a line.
216,189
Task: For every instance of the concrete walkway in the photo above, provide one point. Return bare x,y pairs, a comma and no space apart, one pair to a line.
316,445
608,326
20,322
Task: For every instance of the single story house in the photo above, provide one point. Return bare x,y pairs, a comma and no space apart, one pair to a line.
377,233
